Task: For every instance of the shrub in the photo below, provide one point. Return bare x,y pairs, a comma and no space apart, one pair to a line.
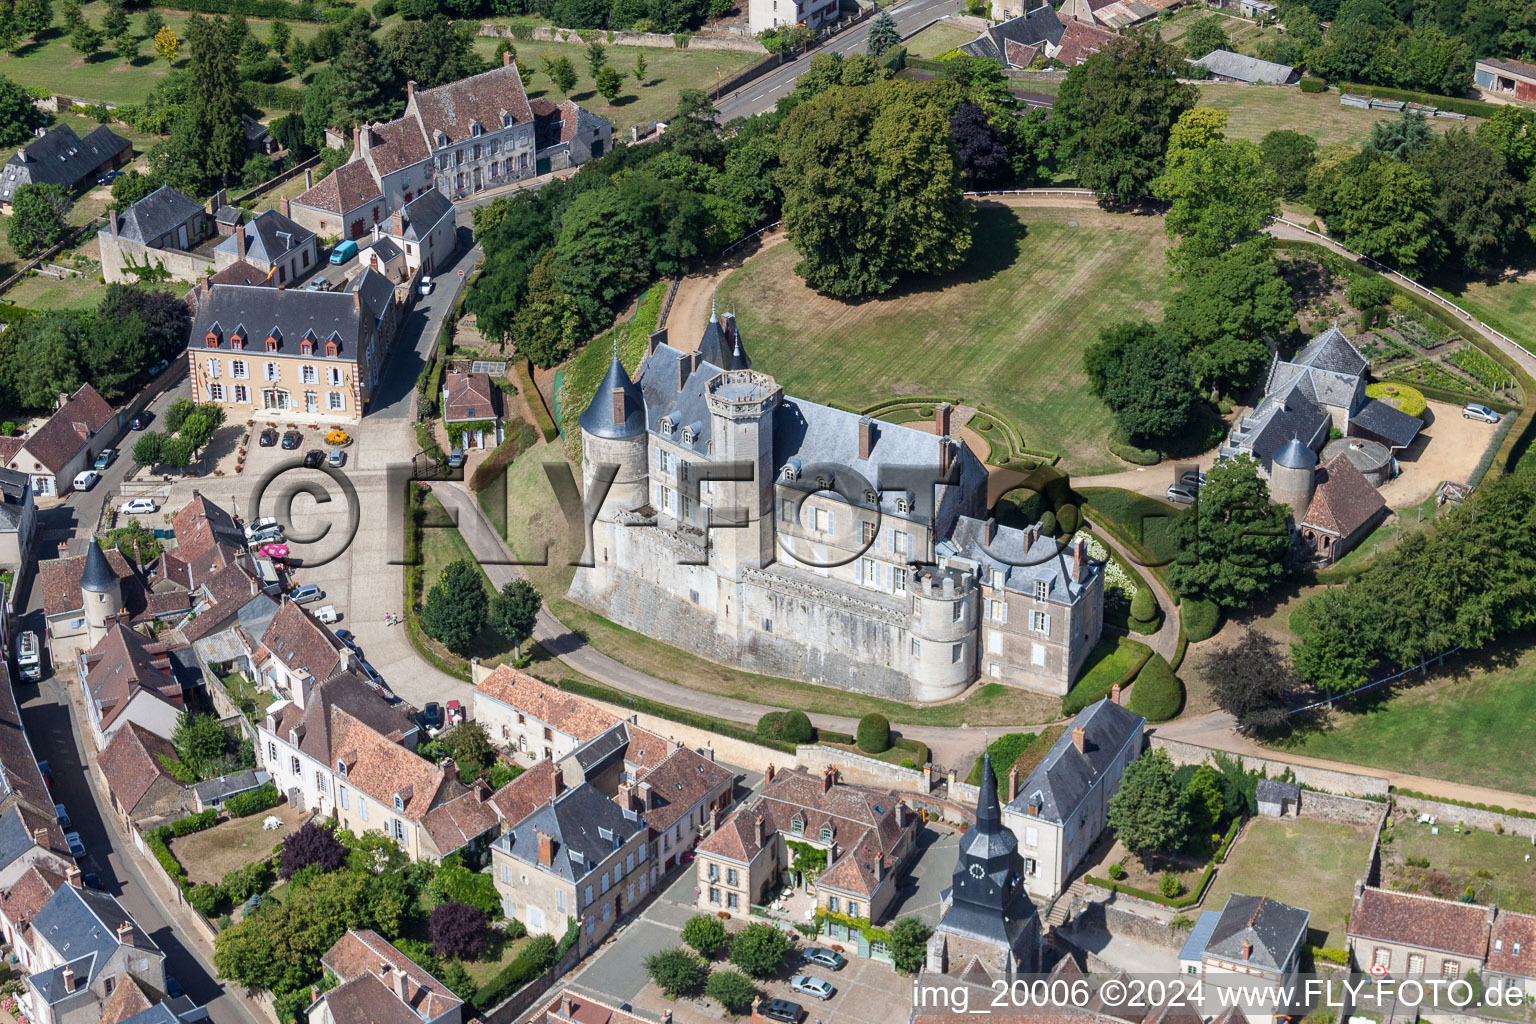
1313,85
194,822
789,726
1144,606
1117,871
244,882
157,845
1330,954
705,933
731,989
874,735
205,898
1048,527
1366,292
1201,618
760,950
242,805
311,844
1407,399
1158,694
457,930
1169,885
1068,518
675,971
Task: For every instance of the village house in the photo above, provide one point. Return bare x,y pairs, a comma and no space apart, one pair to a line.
567,134
1505,78
1058,810
273,244
766,14
1254,944
22,901
1511,963
127,678
63,158
81,426
378,983
18,522
86,946
297,654
1333,506
134,765
425,233
572,1007
1408,935
158,232
30,836
848,843
314,356
683,799
522,713
83,593
471,404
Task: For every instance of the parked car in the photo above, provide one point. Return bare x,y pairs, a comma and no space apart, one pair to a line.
109,177
806,985
105,458
61,815
42,766
782,1010
314,458
173,987
76,847
261,525
159,368
271,535
456,458
432,715
346,637
1476,411
86,479
426,285
318,284
344,251
1193,478
455,712
92,880
821,956
267,438
138,507
327,614
141,420
307,594
291,440
1182,493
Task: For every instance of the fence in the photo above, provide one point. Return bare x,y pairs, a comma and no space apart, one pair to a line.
666,307
1422,666
47,254
747,238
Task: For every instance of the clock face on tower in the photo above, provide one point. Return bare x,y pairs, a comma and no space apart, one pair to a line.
977,871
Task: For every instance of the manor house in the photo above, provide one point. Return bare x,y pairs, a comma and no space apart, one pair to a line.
796,539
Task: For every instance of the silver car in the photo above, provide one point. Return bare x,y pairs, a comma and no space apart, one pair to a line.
1181,493
816,988
1477,411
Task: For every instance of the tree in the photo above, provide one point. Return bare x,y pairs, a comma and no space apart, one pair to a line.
979,146
883,34
167,45
909,944
694,127
31,18
1204,801
609,81
1115,111
871,186
1402,138
37,218
760,949
1478,202
705,933
152,24
676,971
279,36
200,742
1144,379
17,114
176,414
114,21
1204,36
455,610
431,53
85,40
1147,814
639,67
597,57
1251,681
279,946
148,449
1384,209
1222,194
126,46
70,14
360,76
470,747
1229,305
562,73
731,989
457,930
314,844
1511,132
514,611
1232,544
214,120
1290,156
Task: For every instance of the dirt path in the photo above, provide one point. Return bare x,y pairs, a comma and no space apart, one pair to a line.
690,305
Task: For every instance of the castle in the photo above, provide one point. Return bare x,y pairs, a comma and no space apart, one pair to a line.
792,538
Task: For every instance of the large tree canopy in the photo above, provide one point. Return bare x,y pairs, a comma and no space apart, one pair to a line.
1232,544
1221,191
1144,379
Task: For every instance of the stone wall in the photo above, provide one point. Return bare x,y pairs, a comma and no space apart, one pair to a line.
546,34
864,771
1449,814
1123,922
115,253
1327,780
1346,810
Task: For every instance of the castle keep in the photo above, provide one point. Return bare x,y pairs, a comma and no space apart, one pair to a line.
842,549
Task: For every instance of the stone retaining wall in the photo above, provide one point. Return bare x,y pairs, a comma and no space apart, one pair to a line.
1449,814
659,40
1325,779
1346,810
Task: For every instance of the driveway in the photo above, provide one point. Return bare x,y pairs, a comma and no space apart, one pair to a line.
617,972
393,397
927,876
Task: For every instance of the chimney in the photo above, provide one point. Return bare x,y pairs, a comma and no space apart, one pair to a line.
1077,738
1079,559
657,339
39,835
946,456
991,530
384,970
1247,949
240,237
112,222
556,783
901,814
506,58
309,178
1013,782
565,996
828,776
768,775
397,223
401,984
625,797
1034,810
357,137
879,865
866,436
546,849
283,207
618,405
410,90
125,933
941,419
68,976
357,298
758,830
684,368
74,876
1114,693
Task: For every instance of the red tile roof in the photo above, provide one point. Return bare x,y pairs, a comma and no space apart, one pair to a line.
471,396
298,640
343,190
1344,499
240,272
394,145
59,581
559,710
572,1007
130,765
526,793
128,999
122,665
1409,919
454,109
206,535
646,749
680,783
1081,40
22,900
56,442
1512,946
361,950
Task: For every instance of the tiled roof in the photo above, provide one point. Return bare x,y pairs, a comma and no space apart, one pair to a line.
646,749
127,1000
21,901
222,595
121,665
1344,499
457,820
679,784
572,1007
471,396
59,581
202,527
454,109
1512,947
367,999
130,764
361,950
351,693
1513,67
1081,40
9,446
394,145
67,430
343,190
24,788
526,793
241,272
1409,919
304,646
562,711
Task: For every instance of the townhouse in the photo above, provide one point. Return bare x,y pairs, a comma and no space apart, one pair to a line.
297,653
86,945
521,713
81,426
1252,944
376,982
1408,935
127,678
272,244
683,799
133,763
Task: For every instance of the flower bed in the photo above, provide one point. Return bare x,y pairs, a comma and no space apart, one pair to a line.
1432,374
1482,369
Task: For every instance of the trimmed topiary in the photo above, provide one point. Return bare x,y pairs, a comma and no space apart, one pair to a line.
1068,518
790,726
1201,619
874,734
1048,527
1157,695
1144,606
1400,396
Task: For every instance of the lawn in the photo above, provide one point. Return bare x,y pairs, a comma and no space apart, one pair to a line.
1508,305
1244,35
241,690
1258,110
209,855
1006,331
938,37
441,543
667,74
1457,725
1497,868
539,532
1269,851
483,970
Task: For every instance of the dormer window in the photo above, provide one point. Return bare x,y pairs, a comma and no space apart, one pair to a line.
1042,588
903,505
475,130
442,140
666,425
826,833
271,344
789,474
822,482
307,346
871,498
797,827
237,340
688,437
506,119
332,349
341,767
211,340
399,803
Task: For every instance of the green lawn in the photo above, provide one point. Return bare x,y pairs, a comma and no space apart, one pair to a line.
1460,725
667,74
1258,110
1509,306
1007,330
483,970
938,37
1270,851
539,527
1244,35
1496,867
441,543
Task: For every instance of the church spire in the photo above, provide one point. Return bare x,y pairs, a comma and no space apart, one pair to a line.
989,817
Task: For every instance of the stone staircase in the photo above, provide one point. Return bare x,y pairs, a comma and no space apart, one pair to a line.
1056,915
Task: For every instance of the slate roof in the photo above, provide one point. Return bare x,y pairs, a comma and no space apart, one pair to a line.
1343,500
82,926
59,581
304,646
223,596
1032,28
1294,455
601,418
226,786
268,237
1512,946
986,898
423,213
1409,919
122,665
1258,930
343,190
1332,350
351,693
1382,420
14,487
586,828
454,109
471,396
1280,418
158,214
131,767
385,250
562,711
1273,791
349,317
1200,934
720,344
360,952
63,158
1065,775
601,751
54,443
1245,69
679,783
242,273
1023,556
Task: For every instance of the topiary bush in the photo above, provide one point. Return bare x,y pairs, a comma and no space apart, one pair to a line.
1157,695
1068,518
1366,292
1313,85
1144,606
1201,618
1169,885
790,726
1401,396
1048,527
874,735
205,898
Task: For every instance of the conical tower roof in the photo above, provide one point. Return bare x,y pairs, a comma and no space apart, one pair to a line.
1295,455
989,838
98,577
618,408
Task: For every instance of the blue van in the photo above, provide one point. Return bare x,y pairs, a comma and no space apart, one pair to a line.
343,252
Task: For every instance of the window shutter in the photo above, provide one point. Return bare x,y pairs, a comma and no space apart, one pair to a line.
1004,603
1047,625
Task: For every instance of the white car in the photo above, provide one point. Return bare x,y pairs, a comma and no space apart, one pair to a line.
426,285
809,986
327,614
84,481
260,526
138,507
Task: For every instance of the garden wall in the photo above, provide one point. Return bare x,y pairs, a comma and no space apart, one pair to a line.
1343,783
1125,923
660,40
513,1007
1450,813
1346,810
864,771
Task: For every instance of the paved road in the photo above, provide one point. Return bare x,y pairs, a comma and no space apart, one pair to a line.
394,398
761,94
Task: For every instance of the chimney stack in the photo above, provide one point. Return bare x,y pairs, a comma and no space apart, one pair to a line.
410,90
866,436
240,237
991,530
768,775
1079,559
1114,693
283,207
901,814
625,797
397,223
309,178
68,977
357,137
941,419
946,457
1077,737
125,933
828,776
39,835
565,997
401,984
1247,949
758,830
74,876
112,222
506,58
879,865
1034,810
556,783
546,849
1013,782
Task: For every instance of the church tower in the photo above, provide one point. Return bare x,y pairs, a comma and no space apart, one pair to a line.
987,913
101,593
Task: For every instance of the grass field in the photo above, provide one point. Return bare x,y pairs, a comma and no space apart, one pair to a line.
442,544
539,532
1244,35
938,37
1006,331
1269,851
1257,110
1506,305
1496,867
209,855
1457,725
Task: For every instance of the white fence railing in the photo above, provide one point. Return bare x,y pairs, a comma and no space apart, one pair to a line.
1422,666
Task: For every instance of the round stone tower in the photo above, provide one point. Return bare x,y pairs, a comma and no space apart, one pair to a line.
1292,477
613,442
943,632
101,593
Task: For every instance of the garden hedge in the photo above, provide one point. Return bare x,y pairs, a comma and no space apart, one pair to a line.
1098,682
788,726
1069,519
242,805
718,726
1410,397
874,734
1157,694
1201,618
1190,898
195,822
535,401
918,749
1144,611
1313,85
